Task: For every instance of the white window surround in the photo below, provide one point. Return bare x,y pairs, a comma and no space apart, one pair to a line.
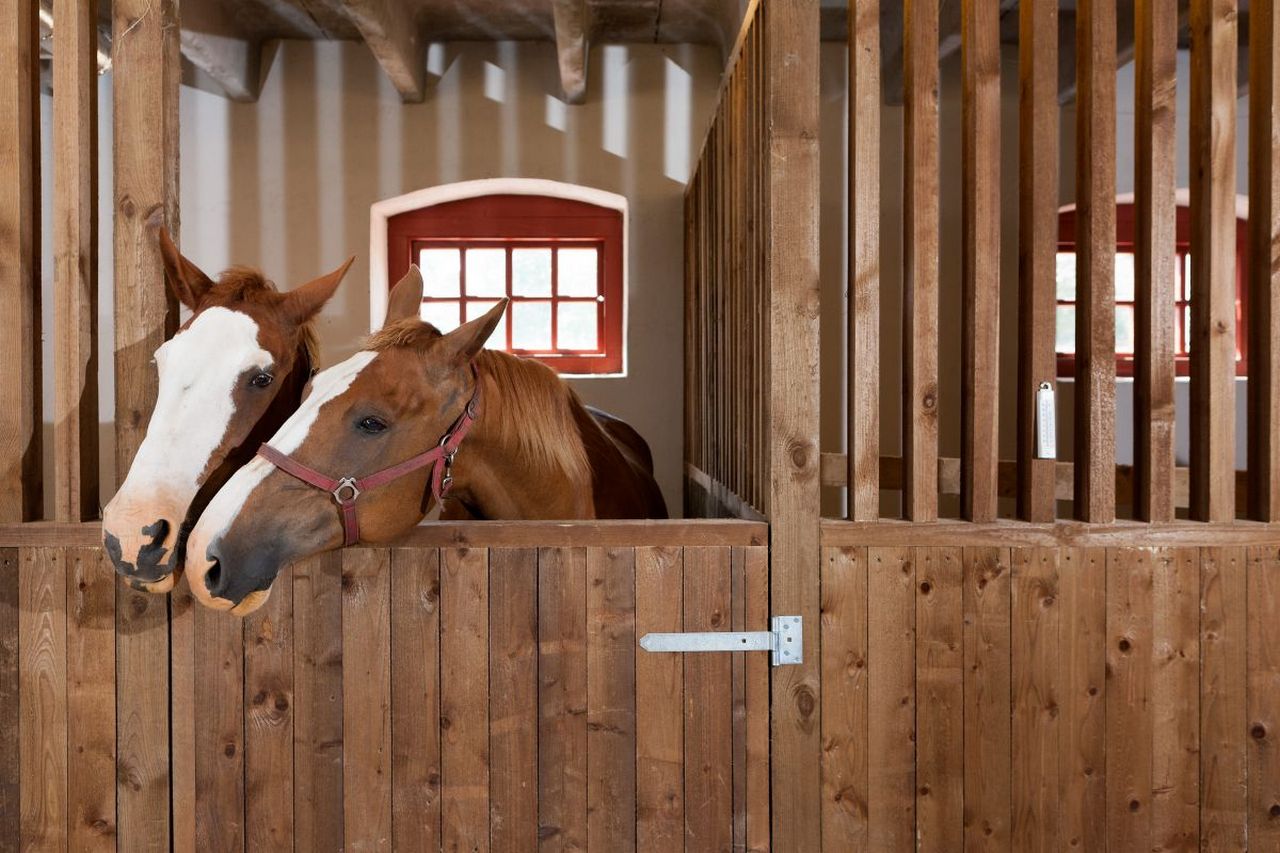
381,211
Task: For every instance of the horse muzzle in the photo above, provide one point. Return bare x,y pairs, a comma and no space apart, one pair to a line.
145,548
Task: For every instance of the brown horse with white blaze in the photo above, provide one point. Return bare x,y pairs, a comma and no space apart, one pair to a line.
229,378
491,435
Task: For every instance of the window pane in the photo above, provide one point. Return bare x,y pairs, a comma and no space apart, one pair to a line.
1124,329
1124,277
1067,276
441,313
578,272
440,271
1186,276
531,272
1186,326
498,340
486,272
576,327
531,325
1065,337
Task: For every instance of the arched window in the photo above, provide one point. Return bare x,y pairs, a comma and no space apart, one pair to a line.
1180,311
559,260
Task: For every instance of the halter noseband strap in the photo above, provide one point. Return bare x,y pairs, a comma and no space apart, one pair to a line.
346,490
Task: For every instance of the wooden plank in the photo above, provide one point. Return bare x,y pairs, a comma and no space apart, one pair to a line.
1082,588
1095,391
21,419
585,534
939,699
415,698
317,701
611,691
366,699
268,720
75,259
920,257
1264,261
91,690
980,321
183,669
659,703
143,772
756,575
1175,700
1129,709
1035,727
864,268
10,768
845,791
1223,726
393,35
562,699
1037,242
513,699
836,532
1263,653
146,71
1155,274
1213,251
891,701
708,710
987,747
464,702
219,731
738,715
42,698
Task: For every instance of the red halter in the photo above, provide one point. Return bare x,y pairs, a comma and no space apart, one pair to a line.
347,489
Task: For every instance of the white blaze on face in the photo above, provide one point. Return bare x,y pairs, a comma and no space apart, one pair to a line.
226,504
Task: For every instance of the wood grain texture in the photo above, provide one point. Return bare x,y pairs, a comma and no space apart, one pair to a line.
1263,712
891,708
1223,674
1082,691
366,699
659,703
513,699
219,731
845,638
183,669
10,768
1129,709
987,744
42,695
1213,215
143,770
1061,534
75,259
756,592
1175,699
939,699
1036,693
269,704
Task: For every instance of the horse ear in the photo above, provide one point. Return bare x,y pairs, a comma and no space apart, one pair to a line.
305,301
406,297
187,281
468,339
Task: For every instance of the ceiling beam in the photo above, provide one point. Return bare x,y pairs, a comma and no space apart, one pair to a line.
571,47
215,43
389,29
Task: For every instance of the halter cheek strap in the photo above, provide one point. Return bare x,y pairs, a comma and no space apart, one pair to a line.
346,490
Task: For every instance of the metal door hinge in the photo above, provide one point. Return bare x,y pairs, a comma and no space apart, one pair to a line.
785,641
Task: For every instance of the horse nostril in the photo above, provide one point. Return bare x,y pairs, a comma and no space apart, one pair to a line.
213,579
158,531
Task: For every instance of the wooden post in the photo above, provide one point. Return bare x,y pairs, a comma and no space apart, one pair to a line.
75,237
791,244
20,406
1155,218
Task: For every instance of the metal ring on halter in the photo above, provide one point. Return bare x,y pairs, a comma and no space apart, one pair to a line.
346,483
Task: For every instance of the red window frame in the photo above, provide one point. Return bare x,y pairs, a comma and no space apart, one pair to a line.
1125,226
527,221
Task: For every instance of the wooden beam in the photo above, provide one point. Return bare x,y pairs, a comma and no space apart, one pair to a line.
392,33
215,43
20,401
75,239
571,47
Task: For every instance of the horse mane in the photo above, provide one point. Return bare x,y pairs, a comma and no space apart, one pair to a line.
248,284
538,406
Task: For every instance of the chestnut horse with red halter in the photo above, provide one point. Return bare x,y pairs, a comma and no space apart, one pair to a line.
415,418
229,378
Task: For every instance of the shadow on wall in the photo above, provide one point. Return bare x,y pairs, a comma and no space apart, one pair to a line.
287,183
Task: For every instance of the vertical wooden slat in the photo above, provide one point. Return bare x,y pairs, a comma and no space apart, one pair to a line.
1129,709
317,701
756,575
91,686
891,703
143,771
1223,762
980,332
366,700
1095,391
562,699
75,259
1154,233
20,382
10,769
513,699
844,699
1035,726
464,701
268,724
659,704
1264,261
219,731
1264,697
987,702
1213,251
939,699
738,718
864,260
1081,690
611,688
1037,242
183,669
42,694
920,255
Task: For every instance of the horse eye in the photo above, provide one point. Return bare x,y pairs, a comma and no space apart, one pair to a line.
262,380
372,425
